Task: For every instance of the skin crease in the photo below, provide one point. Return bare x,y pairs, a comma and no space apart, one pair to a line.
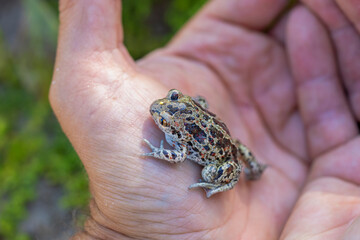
283,99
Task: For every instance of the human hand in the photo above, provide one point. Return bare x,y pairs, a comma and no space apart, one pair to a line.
324,60
101,98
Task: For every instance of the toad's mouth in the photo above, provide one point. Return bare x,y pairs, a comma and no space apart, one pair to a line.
157,118
153,112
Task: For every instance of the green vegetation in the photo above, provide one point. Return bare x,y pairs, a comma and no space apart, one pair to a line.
32,145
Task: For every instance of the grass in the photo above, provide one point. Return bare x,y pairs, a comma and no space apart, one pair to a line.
32,145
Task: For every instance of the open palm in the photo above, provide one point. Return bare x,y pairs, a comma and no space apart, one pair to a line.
101,97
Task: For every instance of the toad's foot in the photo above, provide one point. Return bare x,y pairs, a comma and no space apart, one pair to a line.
213,188
254,170
219,178
204,185
173,156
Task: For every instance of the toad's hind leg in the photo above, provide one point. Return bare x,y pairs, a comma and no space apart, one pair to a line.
253,169
219,178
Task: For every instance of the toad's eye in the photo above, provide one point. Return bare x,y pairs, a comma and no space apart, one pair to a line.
163,122
174,96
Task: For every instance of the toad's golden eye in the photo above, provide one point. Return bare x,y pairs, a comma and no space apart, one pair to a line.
163,122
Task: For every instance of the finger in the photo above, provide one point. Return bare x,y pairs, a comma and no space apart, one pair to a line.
347,44
325,210
276,98
352,10
89,24
327,118
91,63
90,31
341,163
252,14
249,14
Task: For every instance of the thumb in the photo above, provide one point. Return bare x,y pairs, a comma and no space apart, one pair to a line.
91,59
90,25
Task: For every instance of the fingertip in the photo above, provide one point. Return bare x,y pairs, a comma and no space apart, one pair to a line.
308,45
300,22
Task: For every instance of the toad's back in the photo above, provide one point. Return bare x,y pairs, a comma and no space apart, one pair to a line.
207,137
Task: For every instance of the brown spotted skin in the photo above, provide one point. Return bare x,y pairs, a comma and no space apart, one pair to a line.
200,136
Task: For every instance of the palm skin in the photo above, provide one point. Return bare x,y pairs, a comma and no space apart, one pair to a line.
101,98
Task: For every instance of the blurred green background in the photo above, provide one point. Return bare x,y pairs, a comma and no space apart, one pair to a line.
43,186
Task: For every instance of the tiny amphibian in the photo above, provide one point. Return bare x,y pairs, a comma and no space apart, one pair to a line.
200,136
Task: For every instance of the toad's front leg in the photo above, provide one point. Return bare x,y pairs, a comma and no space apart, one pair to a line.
219,178
174,156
